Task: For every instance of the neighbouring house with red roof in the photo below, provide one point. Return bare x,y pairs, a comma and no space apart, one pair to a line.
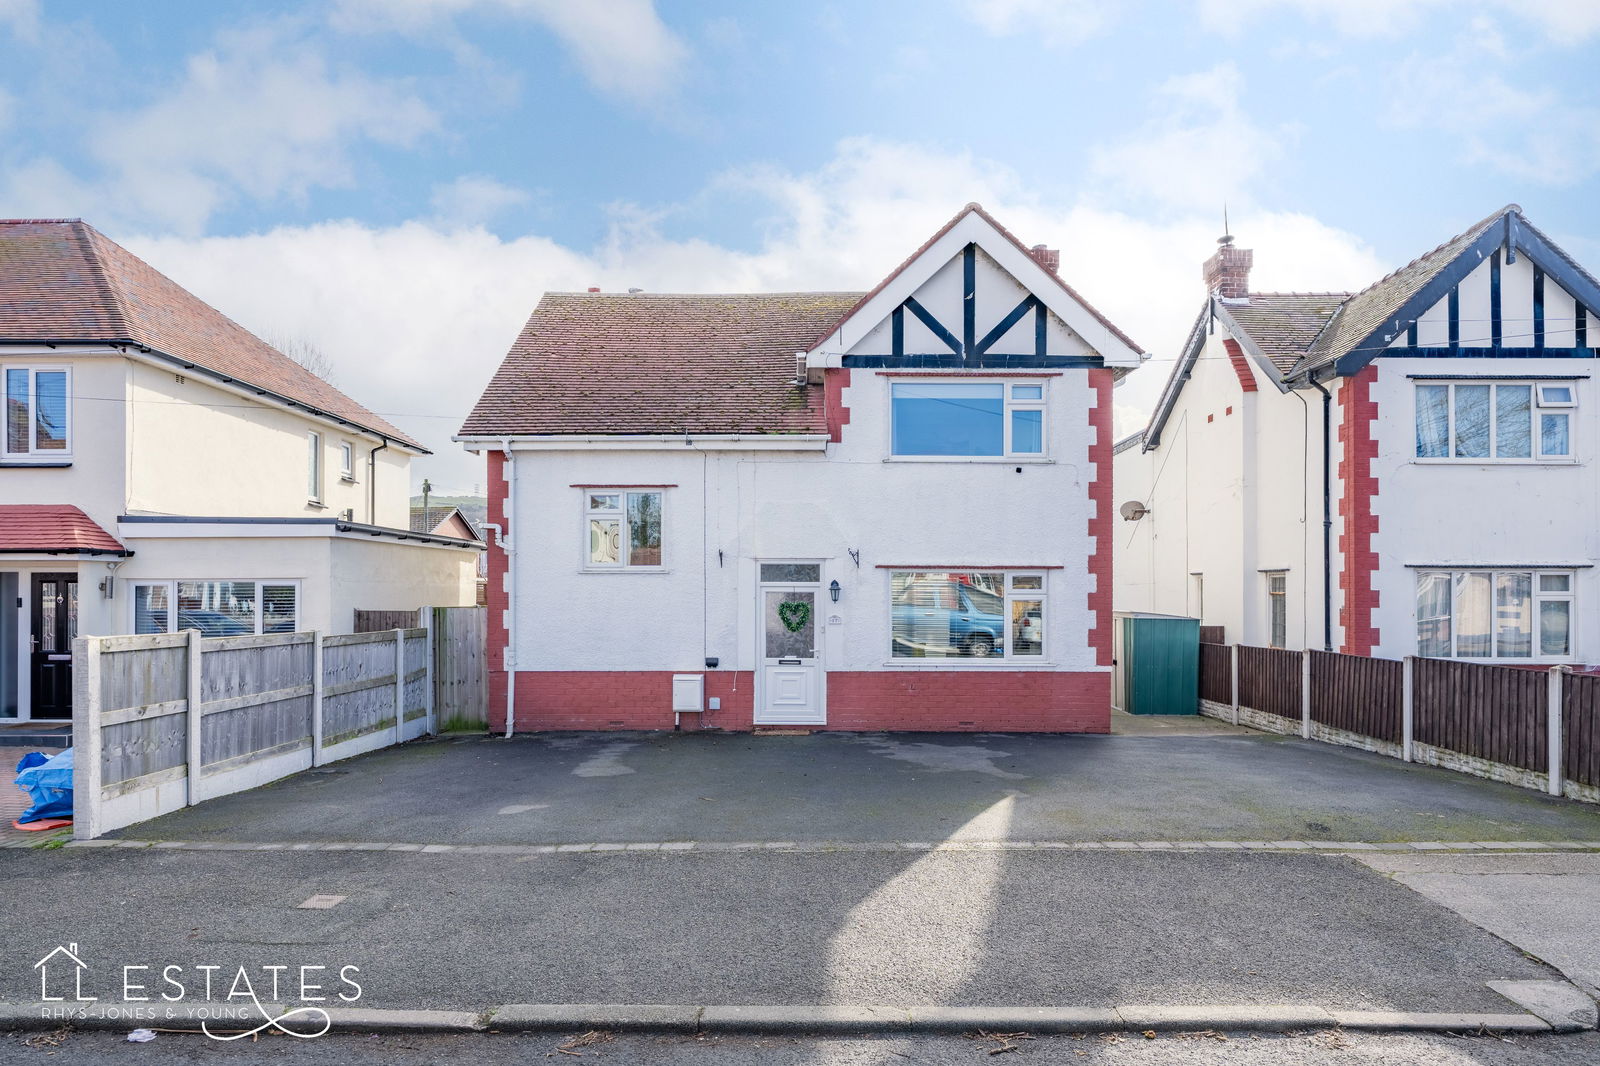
1406,470
161,469
835,510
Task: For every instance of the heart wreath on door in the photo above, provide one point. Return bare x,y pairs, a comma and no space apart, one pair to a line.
794,614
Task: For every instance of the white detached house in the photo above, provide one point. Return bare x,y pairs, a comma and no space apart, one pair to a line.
830,510
1407,470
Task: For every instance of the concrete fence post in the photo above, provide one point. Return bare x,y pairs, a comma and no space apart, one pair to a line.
1557,748
429,614
1305,694
316,698
1408,707
399,681
1233,671
194,697
86,738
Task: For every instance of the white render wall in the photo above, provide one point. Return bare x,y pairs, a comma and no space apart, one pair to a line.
1482,513
797,506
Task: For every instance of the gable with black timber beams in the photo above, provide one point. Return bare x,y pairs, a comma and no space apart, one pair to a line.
1511,294
973,298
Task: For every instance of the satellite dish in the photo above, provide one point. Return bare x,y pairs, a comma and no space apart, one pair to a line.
1133,510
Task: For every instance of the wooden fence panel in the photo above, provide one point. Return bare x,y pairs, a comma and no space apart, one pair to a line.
1213,635
460,667
1580,721
245,673
378,621
133,749
357,685
1216,673
1358,694
1498,713
1269,680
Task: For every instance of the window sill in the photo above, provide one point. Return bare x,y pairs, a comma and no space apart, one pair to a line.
42,464
995,460
349,479
316,505
968,664
1495,462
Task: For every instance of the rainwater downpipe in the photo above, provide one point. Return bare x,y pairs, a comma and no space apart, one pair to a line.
507,546
372,481
1327,515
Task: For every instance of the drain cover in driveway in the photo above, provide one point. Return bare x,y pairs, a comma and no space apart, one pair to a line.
322,902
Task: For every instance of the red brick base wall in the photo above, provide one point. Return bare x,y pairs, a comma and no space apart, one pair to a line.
865,701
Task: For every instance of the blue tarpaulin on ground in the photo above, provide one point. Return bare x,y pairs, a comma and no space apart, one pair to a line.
47,779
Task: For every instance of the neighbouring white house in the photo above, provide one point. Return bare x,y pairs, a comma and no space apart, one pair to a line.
161,468
827,509
1407,470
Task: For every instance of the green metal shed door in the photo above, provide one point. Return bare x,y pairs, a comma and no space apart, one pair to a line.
1163,667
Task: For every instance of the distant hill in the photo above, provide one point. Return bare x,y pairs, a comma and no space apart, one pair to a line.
475,508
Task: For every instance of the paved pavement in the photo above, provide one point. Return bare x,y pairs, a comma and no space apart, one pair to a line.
1548,905
1325,1048
629,787
466,930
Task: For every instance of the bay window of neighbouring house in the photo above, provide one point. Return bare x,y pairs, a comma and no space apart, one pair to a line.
36,413
1478,421
1495,614
622,528
216,608
968,418
983,615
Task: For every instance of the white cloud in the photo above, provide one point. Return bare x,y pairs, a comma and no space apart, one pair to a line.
472,200
622,46
22,16
1059,22
418,316
1198,150
1563,21
1533,135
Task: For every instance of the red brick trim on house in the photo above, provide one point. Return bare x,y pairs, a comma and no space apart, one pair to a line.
1241,365
495,591
1100,381
1358,597
834,382
1022,701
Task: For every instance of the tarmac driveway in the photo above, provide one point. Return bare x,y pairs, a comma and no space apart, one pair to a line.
647,787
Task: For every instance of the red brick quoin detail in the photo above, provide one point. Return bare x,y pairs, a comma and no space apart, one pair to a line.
1241,365
495,594
834,382
868,701
1100,380
1358,597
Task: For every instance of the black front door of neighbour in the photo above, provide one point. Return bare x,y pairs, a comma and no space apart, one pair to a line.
54,607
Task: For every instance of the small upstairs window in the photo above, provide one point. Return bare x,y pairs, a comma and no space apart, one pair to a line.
968,418
623,528
314,467
37,412
1486,421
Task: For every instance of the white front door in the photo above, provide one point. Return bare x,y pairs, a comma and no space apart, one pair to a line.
791,688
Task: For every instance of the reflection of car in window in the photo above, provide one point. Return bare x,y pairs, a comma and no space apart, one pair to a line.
213,623
943,615
1030,630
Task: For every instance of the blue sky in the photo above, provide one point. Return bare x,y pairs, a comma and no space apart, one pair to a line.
395,181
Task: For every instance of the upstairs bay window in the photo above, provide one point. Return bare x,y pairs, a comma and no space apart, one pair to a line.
968,418
36,413
1501,420
1495,614
623,528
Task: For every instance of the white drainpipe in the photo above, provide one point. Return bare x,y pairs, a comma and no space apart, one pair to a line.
506,545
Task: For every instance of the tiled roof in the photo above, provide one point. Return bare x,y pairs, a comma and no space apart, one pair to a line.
1283,324
62,280
30,527
619,363
1364,312
426,521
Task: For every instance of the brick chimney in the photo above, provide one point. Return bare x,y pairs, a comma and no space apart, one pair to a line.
1227,273
1049,258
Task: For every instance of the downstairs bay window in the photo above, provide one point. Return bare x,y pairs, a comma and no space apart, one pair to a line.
972,615
1510,615
216,608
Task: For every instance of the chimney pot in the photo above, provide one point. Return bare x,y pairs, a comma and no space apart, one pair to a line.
1049,258
1227,272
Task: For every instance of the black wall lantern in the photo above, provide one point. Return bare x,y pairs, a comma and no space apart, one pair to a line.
833,591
